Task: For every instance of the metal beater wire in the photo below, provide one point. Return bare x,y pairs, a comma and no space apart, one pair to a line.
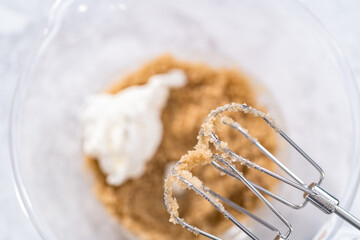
312,192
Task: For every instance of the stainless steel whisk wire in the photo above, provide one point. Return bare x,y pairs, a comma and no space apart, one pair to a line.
312,193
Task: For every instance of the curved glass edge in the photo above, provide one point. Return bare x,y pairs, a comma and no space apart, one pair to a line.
353,93
54,22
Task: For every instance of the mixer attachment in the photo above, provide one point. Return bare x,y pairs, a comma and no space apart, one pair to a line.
312,192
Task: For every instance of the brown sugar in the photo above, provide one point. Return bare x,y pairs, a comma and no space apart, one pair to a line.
138,204
206,152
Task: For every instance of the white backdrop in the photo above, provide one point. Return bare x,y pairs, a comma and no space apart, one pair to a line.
20,24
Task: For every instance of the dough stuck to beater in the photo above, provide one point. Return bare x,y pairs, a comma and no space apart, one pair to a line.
138,203
202,155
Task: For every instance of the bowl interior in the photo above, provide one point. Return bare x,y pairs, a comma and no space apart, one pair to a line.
94,42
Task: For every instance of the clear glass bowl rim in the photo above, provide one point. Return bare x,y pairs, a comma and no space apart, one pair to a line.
54,21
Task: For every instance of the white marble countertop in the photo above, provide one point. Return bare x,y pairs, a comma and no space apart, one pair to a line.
20,23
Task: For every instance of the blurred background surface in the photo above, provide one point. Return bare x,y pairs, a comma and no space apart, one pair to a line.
21,23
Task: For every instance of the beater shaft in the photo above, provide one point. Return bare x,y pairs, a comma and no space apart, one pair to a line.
347,217
329,204
312,193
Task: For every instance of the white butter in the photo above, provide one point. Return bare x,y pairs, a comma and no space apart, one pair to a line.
124,130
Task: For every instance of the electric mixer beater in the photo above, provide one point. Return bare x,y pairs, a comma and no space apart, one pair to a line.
312,192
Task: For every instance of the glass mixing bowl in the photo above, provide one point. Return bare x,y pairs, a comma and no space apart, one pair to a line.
88,44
